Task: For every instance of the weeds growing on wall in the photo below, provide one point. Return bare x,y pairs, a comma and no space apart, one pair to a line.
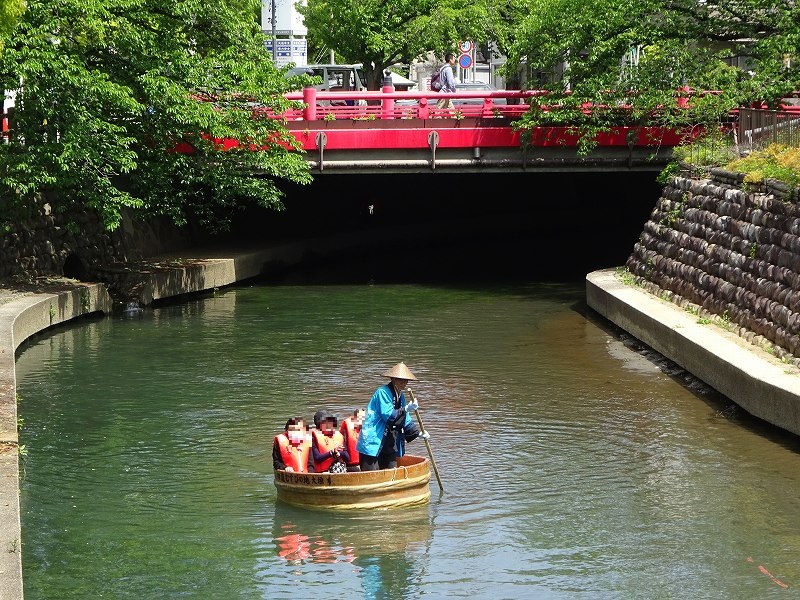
776,161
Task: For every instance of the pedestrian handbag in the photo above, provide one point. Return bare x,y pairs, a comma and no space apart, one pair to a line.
337,467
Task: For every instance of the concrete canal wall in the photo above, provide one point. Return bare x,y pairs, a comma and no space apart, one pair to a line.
24,313
757,381
714,285
55,237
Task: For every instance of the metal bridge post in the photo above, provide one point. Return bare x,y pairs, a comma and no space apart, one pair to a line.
433,142
322,141
424,109
310,99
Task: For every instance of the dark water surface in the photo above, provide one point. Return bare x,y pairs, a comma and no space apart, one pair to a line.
574,465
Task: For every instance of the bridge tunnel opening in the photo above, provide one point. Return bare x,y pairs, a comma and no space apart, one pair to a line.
461,226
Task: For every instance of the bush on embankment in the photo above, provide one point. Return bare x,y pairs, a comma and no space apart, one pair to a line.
776,161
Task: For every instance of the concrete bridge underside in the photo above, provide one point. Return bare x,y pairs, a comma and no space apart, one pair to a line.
475,145
479,159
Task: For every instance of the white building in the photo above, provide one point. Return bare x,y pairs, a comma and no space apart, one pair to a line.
289,31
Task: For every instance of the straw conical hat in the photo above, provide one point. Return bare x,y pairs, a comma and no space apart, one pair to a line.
400,371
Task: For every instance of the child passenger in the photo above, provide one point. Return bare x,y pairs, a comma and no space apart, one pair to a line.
291,450
327,445
350,429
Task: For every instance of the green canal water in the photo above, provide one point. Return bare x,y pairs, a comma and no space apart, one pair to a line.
575,464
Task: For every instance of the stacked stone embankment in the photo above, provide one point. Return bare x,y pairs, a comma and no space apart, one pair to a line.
732,253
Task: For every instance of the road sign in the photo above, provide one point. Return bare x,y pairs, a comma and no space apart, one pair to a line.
287,51
465,61
465,47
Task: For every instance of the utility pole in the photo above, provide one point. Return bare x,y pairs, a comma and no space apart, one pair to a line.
274,36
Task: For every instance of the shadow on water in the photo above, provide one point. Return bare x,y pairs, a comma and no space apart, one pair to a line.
723,407
75,323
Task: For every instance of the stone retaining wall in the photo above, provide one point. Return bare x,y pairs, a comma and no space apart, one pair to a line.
730,254
56,238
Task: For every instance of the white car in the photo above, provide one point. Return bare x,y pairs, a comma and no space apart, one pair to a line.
475,86
335,78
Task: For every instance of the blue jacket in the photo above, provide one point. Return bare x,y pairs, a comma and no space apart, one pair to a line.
380,419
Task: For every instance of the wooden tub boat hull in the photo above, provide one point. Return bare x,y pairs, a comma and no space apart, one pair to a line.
406,485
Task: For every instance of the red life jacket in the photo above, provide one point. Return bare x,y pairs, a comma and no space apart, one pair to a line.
326,444
350,434
294,456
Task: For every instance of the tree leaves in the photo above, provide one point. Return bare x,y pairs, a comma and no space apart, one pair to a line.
107,89
10,12
676,44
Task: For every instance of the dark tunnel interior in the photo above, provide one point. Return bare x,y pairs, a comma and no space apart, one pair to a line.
529,226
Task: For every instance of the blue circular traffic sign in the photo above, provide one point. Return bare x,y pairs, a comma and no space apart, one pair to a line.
465,61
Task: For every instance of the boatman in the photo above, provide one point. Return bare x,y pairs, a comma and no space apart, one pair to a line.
387,423
291,450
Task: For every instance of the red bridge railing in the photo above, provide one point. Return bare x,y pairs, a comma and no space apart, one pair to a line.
409,105
387,119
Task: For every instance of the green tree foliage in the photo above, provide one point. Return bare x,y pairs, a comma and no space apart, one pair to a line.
378,34
108,89
679,43
10,11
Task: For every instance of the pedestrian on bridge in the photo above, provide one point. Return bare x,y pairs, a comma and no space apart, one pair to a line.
448,80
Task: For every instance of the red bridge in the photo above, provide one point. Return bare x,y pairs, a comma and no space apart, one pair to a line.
387,131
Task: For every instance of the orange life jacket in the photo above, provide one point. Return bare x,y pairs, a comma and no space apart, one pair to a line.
350,434
326,444
294,456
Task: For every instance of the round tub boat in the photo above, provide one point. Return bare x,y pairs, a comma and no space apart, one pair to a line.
405,485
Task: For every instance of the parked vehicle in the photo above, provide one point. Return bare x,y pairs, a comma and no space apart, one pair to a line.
344,78
475,86
335,78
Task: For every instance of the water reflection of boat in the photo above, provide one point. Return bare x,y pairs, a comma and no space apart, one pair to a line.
405,485
297,548
302,536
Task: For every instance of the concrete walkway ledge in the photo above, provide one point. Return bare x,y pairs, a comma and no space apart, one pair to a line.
23,314
195,271
752,378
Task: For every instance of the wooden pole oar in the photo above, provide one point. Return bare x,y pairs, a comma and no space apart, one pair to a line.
427,443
